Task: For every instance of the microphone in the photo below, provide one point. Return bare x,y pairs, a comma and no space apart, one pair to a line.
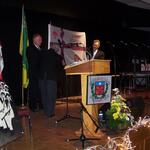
121,41
87,52
145,45
59,42
110,43
113,45
134,44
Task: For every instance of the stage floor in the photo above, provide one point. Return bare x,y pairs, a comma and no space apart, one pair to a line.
53,137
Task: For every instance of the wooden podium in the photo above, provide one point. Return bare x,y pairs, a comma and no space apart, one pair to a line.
84,69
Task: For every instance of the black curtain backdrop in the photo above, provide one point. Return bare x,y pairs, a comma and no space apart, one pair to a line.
10,28
37,22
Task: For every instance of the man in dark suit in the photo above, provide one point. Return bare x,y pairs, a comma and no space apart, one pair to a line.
49,70
33,56
96,52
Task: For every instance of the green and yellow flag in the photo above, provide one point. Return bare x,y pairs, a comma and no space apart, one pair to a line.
24,43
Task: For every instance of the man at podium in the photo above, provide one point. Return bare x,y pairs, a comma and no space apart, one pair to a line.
96,53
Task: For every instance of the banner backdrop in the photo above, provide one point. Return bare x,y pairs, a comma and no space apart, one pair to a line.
70,44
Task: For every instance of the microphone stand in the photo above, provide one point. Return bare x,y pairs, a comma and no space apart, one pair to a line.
87,52
82,137
67,115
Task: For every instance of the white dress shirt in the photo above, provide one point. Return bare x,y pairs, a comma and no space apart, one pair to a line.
37,47
95,51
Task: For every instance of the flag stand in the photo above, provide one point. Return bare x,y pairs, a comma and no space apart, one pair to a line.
23,110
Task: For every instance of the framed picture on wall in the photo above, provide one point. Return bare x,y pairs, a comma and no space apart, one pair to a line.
98,89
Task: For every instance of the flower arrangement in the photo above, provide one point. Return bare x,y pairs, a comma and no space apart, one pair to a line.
119,115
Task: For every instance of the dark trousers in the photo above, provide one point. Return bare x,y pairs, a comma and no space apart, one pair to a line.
34,92
48,90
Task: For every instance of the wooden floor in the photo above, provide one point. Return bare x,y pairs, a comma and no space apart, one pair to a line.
53,137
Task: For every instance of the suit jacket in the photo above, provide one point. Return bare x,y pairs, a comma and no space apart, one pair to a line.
99,55
50,65
33,57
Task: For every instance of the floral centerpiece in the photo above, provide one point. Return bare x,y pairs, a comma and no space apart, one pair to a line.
119,115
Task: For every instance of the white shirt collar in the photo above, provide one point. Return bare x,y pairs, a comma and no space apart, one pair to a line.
95,51
37,46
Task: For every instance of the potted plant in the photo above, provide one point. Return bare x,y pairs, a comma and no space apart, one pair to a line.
119,115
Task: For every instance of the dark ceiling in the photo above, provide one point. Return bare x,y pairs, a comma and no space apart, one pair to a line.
71,8
100,11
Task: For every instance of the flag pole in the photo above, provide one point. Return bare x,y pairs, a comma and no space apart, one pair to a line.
22,93
1,62
24,43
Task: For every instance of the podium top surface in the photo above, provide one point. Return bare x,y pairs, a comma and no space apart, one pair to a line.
85,61
94,66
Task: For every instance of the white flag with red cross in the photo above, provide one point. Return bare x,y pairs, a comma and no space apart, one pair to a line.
1,62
